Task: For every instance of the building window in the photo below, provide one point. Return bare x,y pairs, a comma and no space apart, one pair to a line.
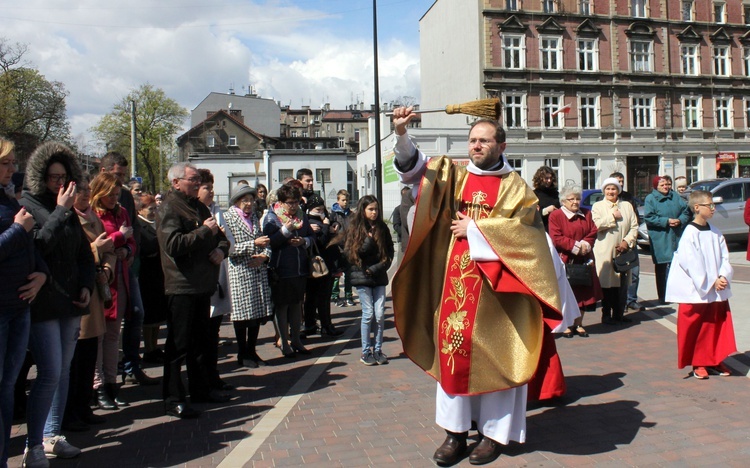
548,6
517,165
304,120
638,8
746,60
551,52
554,164
232,140
305,134
328,129
642,112
294,133
691,111
294,119
210,141
721,61
323,176
584,7
691,169
723,109
687,10
341,142
356,135
640,56
720,12
550,108
588,173
514,56
747,113
285,174
588,55
588,107
514,111
317,133
512,5
340,127
746,13
689,54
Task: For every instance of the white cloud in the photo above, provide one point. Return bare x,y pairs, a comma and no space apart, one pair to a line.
288,52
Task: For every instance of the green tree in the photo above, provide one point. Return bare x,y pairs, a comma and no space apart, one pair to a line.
156,116
32,109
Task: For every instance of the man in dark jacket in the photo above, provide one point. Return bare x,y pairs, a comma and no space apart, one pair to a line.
629,292
192,248
132,325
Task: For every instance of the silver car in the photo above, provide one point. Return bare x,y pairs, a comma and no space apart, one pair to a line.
730,196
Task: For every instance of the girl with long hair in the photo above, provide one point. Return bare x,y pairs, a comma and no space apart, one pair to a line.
105,193
369,249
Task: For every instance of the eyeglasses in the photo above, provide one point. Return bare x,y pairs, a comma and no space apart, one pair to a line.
573,200
247,202
192,180
292,203
57,178
482,141
710,206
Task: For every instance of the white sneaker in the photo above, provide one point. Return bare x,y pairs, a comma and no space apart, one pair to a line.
34,457
59,447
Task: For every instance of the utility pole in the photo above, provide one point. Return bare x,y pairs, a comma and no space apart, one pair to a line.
133,168
378,160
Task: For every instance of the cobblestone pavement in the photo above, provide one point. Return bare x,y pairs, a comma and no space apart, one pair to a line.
627,405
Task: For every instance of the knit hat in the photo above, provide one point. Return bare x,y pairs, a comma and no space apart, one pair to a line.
681,182
612,181
241,192
314,201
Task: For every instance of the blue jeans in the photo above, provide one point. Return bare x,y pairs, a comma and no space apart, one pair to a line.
373,302
14,337
132,328
52,345
635,274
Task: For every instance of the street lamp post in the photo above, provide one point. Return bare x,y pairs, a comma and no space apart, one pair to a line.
378,161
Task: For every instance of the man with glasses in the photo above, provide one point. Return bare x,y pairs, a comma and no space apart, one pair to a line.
478,239
192,247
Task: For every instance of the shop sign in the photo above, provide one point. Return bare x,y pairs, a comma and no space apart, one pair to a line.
726,157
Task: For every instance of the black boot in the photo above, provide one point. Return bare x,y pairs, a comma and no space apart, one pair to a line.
113,390
104,400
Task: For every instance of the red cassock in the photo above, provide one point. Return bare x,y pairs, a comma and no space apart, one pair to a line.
705,334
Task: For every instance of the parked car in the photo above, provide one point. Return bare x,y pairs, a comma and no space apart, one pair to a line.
589,197
729,196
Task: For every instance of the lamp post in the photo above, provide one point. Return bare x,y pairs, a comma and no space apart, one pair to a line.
378,161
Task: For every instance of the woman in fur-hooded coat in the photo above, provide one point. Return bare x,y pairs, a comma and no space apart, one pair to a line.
56,312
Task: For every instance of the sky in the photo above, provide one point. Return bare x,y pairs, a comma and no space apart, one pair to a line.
298,52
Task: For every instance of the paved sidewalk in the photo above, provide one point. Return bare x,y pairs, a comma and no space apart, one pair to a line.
627,405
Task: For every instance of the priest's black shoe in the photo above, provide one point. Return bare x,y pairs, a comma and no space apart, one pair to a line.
182,411
486,451
450,452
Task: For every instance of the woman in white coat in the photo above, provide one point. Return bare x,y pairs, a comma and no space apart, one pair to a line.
617,224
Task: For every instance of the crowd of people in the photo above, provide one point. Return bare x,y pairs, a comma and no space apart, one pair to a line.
93,264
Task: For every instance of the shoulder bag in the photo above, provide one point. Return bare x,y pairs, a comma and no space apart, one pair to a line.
579,274
318,267
625,261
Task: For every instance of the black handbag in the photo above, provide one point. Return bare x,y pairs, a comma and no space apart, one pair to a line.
625,261
579,274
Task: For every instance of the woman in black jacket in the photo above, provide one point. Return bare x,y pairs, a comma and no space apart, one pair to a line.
369,249
52,173
291,236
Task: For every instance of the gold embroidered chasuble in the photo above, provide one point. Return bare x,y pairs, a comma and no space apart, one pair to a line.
475,327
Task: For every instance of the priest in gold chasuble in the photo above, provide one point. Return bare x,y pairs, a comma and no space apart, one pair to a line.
476,282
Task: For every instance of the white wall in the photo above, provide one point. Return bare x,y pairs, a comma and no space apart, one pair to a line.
450,38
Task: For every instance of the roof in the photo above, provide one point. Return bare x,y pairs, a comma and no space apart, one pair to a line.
223,113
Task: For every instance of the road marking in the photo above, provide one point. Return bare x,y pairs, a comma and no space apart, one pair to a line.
245,450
